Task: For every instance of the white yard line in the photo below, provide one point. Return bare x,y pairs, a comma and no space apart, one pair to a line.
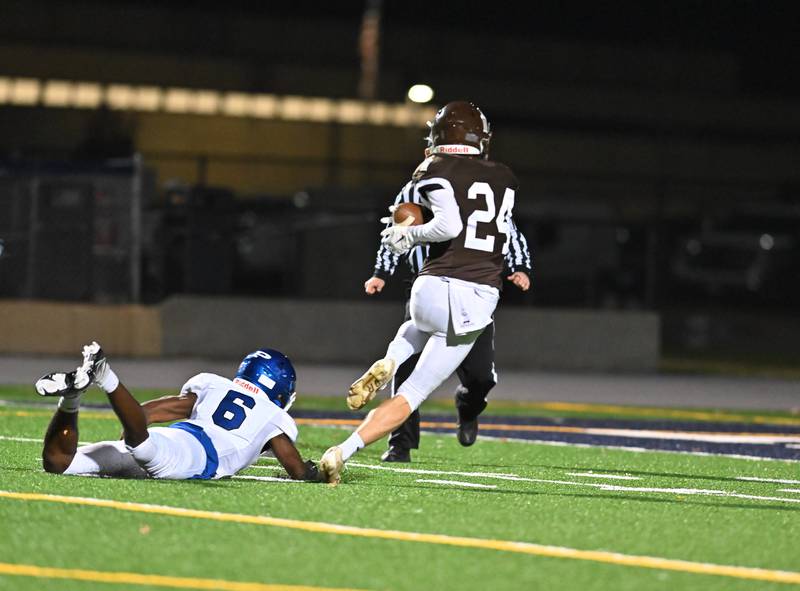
496,475
39,440
20,439
266,478
639,449
597,485
457,483
789,490
603,476
775,480
516,478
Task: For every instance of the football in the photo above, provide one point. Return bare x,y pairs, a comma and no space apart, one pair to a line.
405,210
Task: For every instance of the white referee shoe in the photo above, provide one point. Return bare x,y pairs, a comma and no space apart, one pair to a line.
331,465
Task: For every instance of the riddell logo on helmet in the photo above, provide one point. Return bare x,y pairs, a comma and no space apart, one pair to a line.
455,149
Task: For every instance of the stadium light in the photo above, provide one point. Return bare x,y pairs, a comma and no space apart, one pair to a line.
147,98
25,91
177,100
265,106
420,93
351,111
237,104
56,93
87,95
206,102
119,96
294,108
5,89
320,109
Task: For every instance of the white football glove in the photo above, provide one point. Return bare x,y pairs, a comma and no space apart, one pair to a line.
396,237
389,219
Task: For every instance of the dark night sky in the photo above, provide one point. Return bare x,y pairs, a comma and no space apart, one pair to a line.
736,25
762,33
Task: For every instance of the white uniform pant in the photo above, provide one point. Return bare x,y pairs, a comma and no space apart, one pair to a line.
167,453
435,303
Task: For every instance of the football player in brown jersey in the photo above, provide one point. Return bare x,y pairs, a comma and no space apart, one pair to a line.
457,290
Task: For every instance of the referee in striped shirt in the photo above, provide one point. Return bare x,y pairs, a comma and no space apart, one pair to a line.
477,372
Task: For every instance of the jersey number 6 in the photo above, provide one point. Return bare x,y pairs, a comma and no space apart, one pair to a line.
487,216
230,413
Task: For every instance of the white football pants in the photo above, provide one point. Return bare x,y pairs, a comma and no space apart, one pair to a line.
434,302
167,453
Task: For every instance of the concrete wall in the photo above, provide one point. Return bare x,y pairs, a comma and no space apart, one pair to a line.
356,332
52,328
319,332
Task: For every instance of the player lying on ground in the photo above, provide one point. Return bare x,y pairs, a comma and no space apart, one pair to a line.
455,295
228,423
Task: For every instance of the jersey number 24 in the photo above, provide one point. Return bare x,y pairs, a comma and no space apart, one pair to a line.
488,216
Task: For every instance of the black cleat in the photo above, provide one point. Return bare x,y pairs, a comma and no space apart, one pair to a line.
467,432
59,384
396,454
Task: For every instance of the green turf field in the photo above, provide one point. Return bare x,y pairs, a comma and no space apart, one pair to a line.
559,499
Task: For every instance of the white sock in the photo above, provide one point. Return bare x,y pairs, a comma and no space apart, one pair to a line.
399,350
69,403
108,381
351,445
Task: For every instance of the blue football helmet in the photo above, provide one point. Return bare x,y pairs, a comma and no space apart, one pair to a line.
272,372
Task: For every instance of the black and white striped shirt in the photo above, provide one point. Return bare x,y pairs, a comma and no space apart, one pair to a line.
518,257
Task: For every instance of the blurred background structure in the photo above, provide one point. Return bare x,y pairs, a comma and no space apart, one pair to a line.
154,150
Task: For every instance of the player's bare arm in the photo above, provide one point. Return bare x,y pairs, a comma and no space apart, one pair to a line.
169,408
288,456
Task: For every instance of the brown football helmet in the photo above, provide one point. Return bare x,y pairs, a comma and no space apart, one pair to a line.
459,128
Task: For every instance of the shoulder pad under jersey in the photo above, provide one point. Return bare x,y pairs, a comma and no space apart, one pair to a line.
423,167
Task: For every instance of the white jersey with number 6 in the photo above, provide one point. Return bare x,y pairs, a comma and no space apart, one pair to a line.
238,417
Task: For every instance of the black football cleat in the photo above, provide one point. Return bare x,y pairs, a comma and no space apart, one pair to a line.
467,432
61,383
396,454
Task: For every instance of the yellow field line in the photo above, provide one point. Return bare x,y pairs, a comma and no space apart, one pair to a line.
738,572
654,412
123,578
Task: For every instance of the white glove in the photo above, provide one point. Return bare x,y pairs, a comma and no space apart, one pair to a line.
396,237
389,219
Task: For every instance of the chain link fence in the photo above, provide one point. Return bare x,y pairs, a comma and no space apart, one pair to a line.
72,232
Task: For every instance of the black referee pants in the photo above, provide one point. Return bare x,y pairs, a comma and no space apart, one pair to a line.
476,374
